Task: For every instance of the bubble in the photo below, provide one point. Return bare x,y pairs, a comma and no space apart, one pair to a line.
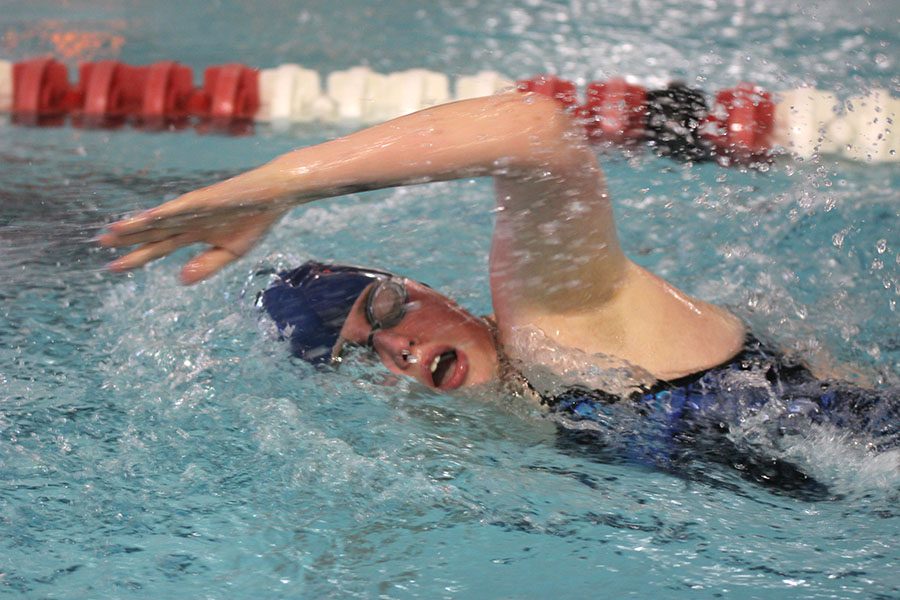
838,238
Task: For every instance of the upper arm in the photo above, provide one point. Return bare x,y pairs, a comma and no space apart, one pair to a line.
555,247
556,264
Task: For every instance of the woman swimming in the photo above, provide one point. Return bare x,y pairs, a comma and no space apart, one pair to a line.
556,266
576,322
577,326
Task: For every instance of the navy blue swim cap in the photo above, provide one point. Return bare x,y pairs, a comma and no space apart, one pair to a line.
311,303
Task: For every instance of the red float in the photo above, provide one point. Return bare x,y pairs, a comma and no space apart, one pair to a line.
41,91
561,90
615,111
742,120
230,94
168,88
110,92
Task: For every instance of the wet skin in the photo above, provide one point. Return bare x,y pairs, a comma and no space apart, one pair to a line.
437,342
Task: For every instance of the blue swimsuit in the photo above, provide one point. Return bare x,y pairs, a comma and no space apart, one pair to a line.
757,386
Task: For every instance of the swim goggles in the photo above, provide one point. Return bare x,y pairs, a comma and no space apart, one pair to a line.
386,303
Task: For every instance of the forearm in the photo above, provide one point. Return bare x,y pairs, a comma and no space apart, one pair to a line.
507,136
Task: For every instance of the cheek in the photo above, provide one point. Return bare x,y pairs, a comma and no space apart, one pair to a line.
434,326
479,345
487,358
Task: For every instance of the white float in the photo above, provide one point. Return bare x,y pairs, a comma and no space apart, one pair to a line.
873,118
416,89
283,93
6,86
484,83
348,90
307,91
802,120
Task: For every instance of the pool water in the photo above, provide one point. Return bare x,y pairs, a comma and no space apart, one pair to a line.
157,441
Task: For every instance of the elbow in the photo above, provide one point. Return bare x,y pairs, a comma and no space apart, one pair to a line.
549,134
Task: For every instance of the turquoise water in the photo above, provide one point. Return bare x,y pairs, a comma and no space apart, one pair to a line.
156,442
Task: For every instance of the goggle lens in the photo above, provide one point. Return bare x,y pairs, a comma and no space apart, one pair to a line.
386,304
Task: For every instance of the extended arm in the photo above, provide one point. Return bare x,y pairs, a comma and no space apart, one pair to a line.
522,140
556,262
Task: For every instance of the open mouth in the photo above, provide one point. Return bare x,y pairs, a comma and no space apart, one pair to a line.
443,368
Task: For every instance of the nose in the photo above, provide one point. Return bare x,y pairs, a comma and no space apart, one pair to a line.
401,348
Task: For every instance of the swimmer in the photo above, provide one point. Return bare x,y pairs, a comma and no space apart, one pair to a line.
575,321
556,265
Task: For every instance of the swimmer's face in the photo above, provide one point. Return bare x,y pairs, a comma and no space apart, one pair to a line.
432,339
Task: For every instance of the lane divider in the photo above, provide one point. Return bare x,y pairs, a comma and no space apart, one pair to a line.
741,125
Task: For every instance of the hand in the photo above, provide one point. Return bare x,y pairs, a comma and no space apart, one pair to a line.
231,217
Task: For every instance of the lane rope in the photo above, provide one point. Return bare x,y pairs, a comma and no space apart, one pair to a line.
745,124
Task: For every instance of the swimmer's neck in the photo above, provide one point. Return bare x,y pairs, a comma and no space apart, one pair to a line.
647,322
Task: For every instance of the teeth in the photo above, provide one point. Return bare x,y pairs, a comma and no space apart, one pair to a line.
435,362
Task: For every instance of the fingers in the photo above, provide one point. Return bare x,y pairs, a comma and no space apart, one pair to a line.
206,264
151,226
143,221
178,213
156,225
114,239
197,269
149,252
